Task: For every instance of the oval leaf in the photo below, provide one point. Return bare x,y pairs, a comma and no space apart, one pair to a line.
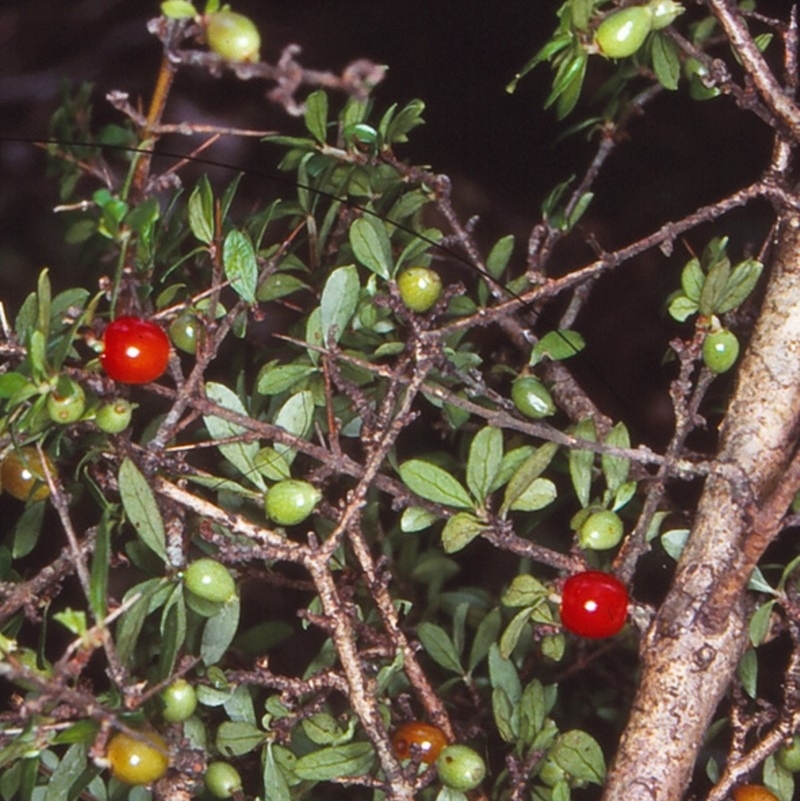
434,484
141,508
352,759
241,268
339,301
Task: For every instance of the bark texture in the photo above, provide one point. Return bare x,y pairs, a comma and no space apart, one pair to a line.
693,646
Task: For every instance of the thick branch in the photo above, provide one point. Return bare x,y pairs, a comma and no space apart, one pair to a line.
694,643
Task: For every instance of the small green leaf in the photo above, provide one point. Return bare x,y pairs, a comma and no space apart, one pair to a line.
741,283
240,454
500,255
141,508
335,762
714,286
276,787
692,278
322,729
178,9
201,211
510,638
241,268
62,780
316,116
296,416
483,463
681,308
434,484
557,346
674,540
666,61
615,468
460,530
236,738
759,625
415,518
747,672
580,756
274,379
506,715
339,301
581,461
524,477
219,631
503,674
487,632
371,245
525,590
540,492
438,645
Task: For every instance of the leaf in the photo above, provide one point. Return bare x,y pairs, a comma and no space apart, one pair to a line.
525,590
272,465
499,256
141,508
415,518
580,756
241,268
525,476
61,781
322,729
178,9
236,738
674,540
666,61
316,116
460,530
615,468
274,379
276,787
200,209
759,625
296,416
741,283
747,672
98,579
581,461
681,308
434,484
131,623
510,638
438,645
506,715
339,301
714,286
487,632
371,245
219,631
335,762
240,454
483,463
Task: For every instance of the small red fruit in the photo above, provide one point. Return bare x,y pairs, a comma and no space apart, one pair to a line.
423,740
594,604
135,351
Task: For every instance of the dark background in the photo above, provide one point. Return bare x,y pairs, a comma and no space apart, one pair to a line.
502,151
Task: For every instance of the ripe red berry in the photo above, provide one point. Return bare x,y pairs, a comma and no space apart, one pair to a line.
135,351
594,604
426,740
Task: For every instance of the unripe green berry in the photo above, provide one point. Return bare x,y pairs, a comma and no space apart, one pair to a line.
665,12
179,700
789,755
600,531
233,36
67,402
420,288
460,767
184,331
223,780
720,350
114,417
210,581
531,397
291,501
623,32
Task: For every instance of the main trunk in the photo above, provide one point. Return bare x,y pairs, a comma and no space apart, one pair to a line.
696,639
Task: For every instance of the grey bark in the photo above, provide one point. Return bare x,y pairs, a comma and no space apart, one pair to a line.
692,648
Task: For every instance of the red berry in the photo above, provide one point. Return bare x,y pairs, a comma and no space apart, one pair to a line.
427,739
135,351
594,604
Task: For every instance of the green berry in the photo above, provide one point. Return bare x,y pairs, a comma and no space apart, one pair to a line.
600,531
223,780
114,417
210,581
460,767
179,700
361,137
531,397
184,331
664,12
67,402
233,36
623,32
789,755
420,288
291,501
720,350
